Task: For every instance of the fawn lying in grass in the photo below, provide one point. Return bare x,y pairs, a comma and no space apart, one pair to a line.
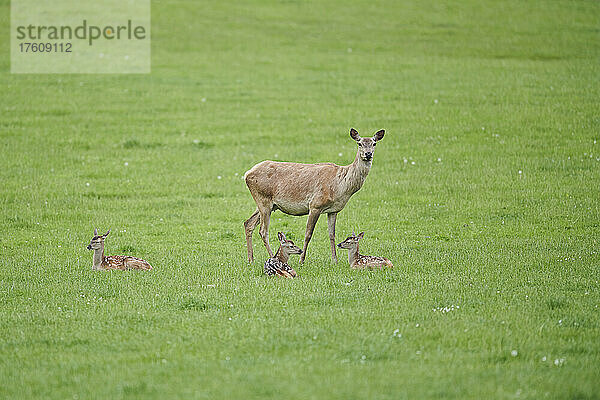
278,264
113,262
357,260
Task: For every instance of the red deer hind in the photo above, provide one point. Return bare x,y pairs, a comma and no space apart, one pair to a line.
300,189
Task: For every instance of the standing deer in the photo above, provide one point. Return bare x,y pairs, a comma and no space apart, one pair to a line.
113,262
300,189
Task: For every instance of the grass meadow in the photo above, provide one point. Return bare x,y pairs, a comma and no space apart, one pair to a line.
484,193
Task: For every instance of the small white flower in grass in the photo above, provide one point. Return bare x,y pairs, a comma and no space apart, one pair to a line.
59,245
544,359
435,101
87,184
339,154
418,352
203,100
439,159
412,163
227,358
363,357
230,318
417,325
514,353
196,141
219,177
126,163
520,172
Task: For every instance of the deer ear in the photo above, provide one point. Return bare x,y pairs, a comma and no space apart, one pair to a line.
360,235
281,237
95,231
379,135
106,234
354,134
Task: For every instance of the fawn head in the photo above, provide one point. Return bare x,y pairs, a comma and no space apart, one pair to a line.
366,146
287,246
351,241
97,241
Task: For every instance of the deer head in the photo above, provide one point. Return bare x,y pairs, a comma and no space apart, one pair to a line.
97,241
366,146
351,241
287,246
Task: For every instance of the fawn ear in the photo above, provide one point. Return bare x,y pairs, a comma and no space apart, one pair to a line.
379,135
354,134
360,235
281,237
95,231
106,234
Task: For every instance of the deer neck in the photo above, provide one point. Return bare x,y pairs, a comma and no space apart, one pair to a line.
98,257
356,174
282,256
353,255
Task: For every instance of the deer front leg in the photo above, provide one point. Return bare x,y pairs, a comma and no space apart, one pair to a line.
313,217
249,227
331,227
265,218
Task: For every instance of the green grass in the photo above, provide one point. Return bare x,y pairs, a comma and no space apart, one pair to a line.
495,103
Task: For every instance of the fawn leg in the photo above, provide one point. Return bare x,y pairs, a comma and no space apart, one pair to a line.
331,227
249,226
313,217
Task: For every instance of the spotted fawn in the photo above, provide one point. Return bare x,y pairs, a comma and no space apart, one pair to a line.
102,262
357,260
278,264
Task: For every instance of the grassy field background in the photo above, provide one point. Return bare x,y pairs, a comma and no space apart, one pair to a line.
484,193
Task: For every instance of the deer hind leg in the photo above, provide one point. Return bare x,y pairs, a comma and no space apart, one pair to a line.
331,227
249,226
265,218
313,217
